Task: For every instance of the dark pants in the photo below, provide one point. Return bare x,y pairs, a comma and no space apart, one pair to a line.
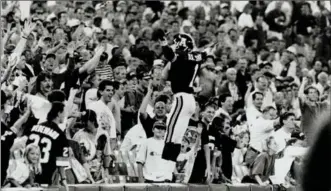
250,156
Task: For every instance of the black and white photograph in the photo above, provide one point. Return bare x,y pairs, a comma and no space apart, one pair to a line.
165,95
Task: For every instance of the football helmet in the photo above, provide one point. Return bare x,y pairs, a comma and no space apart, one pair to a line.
183,42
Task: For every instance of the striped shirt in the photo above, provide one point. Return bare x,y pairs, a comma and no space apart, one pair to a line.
105,71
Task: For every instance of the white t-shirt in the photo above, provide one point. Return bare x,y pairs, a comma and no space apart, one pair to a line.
150,155
283,165
18,170
104,116
281,136
252,113
135,136
260,130
90,143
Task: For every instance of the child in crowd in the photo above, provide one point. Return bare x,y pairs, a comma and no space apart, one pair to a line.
22,171
182,160
152,168
263,166
239,166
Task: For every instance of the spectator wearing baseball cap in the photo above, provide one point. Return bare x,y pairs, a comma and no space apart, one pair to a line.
152,168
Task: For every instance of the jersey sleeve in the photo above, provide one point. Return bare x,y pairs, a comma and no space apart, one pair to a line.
62,156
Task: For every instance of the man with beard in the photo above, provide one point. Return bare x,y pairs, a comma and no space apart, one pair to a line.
53,144
39,101
310,107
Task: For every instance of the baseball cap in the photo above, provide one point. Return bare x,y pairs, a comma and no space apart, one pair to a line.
160,125
47,38
130,75
269,74
144,75
292,50
50,56
224,5
158,62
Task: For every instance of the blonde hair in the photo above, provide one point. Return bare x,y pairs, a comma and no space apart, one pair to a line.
266,143
36,168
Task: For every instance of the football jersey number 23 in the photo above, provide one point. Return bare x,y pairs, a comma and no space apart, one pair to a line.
45,148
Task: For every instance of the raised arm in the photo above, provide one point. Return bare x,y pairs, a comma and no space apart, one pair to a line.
93,62
146,100
29,26
167,51
301,93
11,65
165,73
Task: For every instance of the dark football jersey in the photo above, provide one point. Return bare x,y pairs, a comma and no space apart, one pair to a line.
54,148
184,70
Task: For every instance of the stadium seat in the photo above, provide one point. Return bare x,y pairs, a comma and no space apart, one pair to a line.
119,179
218,187
159,187
198,187
255,187
179,187
241,187
112,187
84,187
136,187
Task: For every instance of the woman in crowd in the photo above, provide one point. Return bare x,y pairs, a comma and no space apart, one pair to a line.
68,48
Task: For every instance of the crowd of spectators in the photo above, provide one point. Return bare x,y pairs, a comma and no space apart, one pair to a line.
83,100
